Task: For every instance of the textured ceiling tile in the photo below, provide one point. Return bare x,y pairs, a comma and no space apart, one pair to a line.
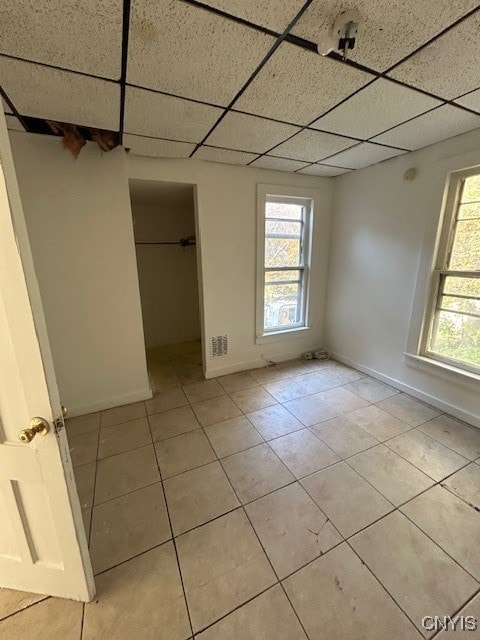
249,133
14,124
363,155
275,15
323,170
379,106
391,29
278,164
181,49
471,100
440,124
156,147
154,114
43,92
312,146
228,156
450,65
83,36
298,86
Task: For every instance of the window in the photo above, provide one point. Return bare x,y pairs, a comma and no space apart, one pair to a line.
452,333
284,232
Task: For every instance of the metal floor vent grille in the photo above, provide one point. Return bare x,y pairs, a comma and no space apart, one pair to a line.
219,346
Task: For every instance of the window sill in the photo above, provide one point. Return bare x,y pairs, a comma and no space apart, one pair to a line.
278,336
442,370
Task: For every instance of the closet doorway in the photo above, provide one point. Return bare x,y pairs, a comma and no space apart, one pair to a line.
167,261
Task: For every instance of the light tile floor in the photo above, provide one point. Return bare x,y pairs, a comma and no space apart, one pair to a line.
299,501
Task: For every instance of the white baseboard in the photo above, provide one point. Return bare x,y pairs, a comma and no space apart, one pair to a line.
117,401
252,364
451,409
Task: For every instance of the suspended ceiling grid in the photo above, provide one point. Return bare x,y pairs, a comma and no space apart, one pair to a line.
240,81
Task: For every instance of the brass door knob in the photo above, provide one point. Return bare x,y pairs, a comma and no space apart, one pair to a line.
37,425
64,411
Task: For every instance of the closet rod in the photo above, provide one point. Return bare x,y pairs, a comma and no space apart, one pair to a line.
183,242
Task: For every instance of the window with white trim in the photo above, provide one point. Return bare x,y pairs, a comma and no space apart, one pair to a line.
452,328
284,263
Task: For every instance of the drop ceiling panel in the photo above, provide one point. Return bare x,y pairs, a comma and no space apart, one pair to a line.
391,29
160,116
228,156
157,148
471,100
249,133
14,124
379,106
363,155
49,93
442,123
312,146
323,170
298,86
275,15
83,36
449,66
278,164
181,49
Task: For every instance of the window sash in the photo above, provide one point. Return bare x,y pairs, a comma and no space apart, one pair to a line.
441,272
302,267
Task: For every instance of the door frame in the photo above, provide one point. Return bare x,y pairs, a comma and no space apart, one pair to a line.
198,251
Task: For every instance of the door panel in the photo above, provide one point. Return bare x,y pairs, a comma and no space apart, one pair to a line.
43,548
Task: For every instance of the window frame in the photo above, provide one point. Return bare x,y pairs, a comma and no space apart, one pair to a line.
440,271
283,195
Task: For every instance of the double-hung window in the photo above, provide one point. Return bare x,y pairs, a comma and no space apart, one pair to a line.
452,329
283,263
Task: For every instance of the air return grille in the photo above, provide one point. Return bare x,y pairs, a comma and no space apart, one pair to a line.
219,346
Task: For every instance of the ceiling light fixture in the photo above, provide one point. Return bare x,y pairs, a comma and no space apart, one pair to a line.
344,34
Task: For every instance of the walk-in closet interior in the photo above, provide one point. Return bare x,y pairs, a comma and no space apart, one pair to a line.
165,242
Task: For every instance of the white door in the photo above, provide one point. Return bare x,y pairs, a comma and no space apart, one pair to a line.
43,548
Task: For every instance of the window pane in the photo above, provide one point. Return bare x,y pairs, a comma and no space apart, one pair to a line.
282,227
471,189
283,210
457,336
282,276
282,305
465,254
469,211
468,306
462,286
282,252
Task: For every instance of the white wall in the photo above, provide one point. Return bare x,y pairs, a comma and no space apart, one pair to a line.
226,220
80,227
383,238
79,221
167,273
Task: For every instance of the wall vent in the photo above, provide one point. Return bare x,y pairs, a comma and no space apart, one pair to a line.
219,346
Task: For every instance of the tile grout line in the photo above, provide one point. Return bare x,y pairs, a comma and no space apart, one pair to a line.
242,507
91,519
296,480
468,462
383,587
466,603
28,606
173,539
477,580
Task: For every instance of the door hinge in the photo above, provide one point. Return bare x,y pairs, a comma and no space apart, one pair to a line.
58,425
